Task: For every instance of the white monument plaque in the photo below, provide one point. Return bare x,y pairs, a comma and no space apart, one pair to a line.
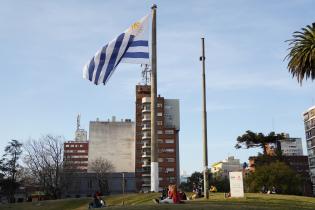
236,184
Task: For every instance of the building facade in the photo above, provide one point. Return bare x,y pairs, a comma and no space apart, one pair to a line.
113,141
167,136
309,123
222,168
86,184
288,146
76,152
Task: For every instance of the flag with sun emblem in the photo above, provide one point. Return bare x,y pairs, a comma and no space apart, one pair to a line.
132,46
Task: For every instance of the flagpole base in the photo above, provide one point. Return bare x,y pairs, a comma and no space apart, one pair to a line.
154,176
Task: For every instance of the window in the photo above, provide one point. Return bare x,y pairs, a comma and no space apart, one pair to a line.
169,141
159,105
71,145
159,122
81,145
159,132
169,150
169,131
159,114
169,170
67,145
160,141
160,160
170,160
172,179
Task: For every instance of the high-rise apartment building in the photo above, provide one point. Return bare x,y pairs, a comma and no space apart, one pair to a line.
167,136
309,122
76,152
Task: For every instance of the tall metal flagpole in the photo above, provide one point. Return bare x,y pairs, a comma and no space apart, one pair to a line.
154,158
204,124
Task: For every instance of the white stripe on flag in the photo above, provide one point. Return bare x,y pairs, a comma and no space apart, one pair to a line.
138,49
136,60
109,52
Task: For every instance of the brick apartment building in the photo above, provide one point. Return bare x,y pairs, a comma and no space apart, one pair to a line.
76,152
167,137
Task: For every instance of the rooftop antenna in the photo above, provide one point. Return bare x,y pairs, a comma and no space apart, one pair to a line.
78,121
146,74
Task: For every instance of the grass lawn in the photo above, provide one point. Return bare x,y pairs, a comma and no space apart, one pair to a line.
144,202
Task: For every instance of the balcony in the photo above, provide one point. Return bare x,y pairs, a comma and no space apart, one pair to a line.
146,127
146,135
146,174
146,117
146,185
146,100
146,146
146,109
145,164
146,180
146,155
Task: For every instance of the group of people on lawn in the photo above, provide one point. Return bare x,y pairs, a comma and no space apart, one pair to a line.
170,195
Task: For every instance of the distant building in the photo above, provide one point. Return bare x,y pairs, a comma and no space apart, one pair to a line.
113,141
288,147
222,168
167,136
76,152
86,184
309,122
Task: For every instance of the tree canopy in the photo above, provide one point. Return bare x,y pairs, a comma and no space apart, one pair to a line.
9,168
251,140
275,174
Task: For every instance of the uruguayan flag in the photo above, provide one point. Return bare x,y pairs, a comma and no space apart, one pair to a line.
129,47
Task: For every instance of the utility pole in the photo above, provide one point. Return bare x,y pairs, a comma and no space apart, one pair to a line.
204,123
154,158
123,183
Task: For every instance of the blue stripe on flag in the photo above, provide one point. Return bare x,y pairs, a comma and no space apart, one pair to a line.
128,45
137,43
91,69
113,57
100,65
136,55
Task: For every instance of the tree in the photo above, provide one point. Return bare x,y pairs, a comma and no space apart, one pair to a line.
102,169
276,174
302,54
9,167
222,183
251,139
44,157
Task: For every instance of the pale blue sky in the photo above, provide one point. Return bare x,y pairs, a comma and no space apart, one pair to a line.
44,45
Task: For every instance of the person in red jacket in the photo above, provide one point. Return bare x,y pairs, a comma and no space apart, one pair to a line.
173,196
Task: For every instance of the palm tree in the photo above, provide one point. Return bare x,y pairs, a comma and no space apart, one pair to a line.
302,54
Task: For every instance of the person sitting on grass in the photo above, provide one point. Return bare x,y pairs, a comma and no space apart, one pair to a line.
196,192
182,195
173,196
164,193
97,202
213,189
